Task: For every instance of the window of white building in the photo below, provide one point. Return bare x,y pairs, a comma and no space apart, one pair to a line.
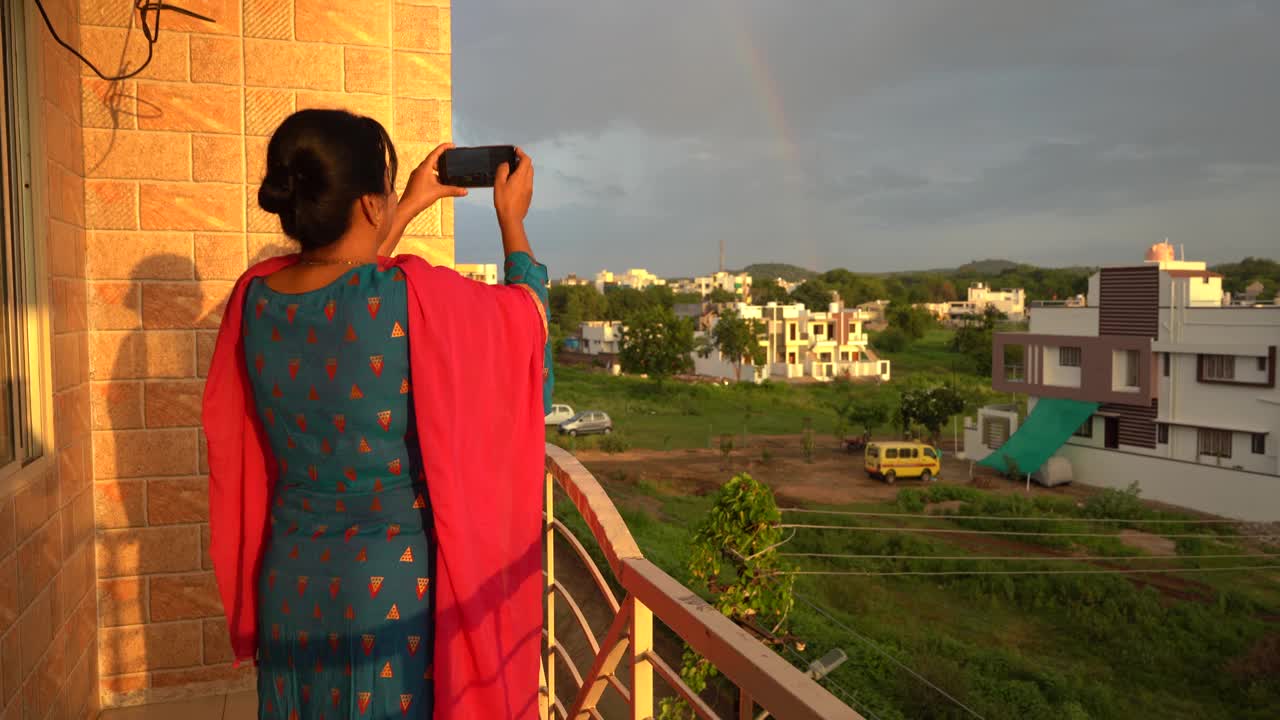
1215,443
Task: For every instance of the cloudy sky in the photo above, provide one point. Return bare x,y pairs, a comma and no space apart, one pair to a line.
875,134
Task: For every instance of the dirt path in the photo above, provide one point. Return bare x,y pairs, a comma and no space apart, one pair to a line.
835,477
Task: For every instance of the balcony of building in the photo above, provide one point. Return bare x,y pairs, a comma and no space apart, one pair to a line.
1106,369
614,627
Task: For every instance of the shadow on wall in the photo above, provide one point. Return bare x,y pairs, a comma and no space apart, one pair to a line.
160,613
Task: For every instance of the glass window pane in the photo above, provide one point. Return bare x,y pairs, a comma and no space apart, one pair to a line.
8,377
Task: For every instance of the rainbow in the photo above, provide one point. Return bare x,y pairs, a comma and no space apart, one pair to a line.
761,77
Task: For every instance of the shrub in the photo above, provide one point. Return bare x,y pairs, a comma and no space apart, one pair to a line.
892,340
614,443
726,447
1111,503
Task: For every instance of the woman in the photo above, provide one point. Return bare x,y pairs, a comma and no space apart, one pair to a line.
375,447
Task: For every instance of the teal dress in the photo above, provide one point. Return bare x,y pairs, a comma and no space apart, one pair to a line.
345,597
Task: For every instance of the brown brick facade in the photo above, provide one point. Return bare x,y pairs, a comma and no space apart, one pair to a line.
48,609
150,214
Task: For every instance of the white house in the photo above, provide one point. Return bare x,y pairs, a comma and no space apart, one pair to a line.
799,344
485,273
601,337
572,280
1185,381
1011,302
637,278
739,284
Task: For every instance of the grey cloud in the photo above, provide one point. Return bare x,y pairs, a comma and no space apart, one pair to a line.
902,123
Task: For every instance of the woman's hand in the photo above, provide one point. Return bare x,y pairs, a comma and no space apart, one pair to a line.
513,191
424,187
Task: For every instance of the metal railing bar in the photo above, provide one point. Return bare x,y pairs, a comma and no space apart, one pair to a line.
577,613
677,683
605,663
776,684
596,575
617,685
568,661
593,503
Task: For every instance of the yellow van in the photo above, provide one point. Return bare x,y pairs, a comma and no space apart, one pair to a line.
892,460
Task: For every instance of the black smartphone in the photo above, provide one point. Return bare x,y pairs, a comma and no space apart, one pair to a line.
474,166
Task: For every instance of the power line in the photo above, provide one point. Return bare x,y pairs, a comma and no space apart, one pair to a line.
1020,533
1026,558
870,643
1125,571
941,516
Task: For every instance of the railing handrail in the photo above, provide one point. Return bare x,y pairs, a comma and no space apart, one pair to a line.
773,683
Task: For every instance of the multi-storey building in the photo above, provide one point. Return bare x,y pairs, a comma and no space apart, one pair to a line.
1185,384
486,273
1011,302
601,337
636,278
799,343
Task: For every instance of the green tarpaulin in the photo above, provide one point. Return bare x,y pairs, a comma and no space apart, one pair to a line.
1051,423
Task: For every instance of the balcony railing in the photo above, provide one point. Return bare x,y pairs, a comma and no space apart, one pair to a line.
624,660
1014,373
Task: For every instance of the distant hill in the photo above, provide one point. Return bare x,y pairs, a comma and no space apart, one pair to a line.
987,267
772,271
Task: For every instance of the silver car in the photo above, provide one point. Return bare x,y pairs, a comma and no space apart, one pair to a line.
586,423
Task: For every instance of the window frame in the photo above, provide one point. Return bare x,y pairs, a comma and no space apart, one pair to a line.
1208,438
1085,430
1070,356
1132,368
1258,443
26,292
1162,433
1166,362
1221,368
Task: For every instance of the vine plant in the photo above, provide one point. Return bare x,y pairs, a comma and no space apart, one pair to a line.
734,557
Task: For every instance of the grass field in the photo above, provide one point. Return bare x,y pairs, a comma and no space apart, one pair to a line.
676,415
1036,646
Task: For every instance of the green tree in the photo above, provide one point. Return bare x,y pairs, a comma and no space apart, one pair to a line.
734,557
912,321
867,414
720,295
974,339
930,407
660,295
657,343
815,294
573,305
738,340
623,302
767,291
892,340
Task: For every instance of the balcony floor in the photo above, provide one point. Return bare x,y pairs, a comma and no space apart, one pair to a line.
235,706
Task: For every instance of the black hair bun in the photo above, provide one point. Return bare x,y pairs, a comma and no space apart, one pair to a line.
277,194
319,163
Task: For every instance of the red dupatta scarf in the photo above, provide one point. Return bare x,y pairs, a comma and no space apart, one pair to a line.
476,358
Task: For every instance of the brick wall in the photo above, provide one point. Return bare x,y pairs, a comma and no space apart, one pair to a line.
48,614
172,162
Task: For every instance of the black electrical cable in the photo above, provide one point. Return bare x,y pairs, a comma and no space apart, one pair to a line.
151,32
